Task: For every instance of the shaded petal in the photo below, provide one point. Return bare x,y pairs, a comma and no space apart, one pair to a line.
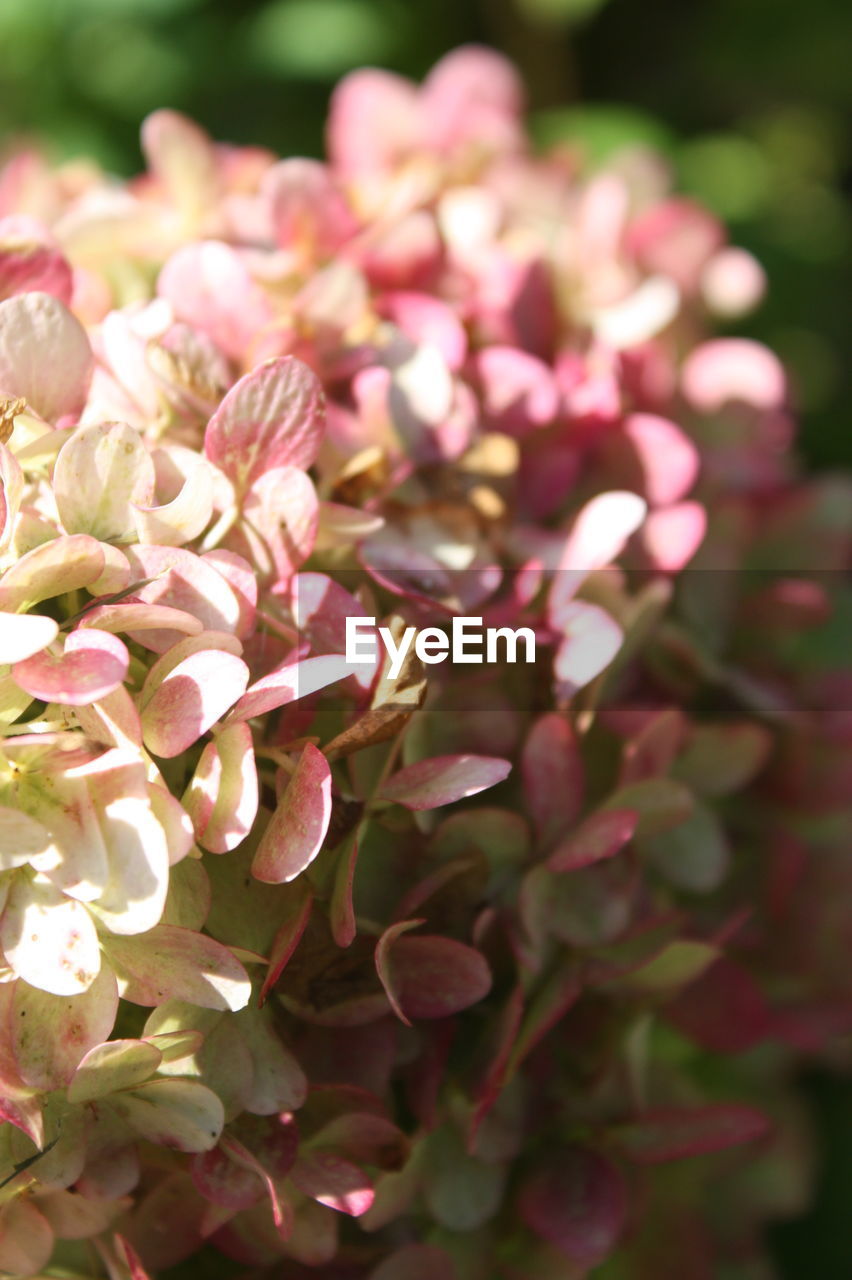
170,963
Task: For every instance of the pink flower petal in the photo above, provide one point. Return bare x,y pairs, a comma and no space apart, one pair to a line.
519,393
182,159
309,213
282,507
92,665
192,697
31,262
668,458
736,370
45,357
65,564
183,580
429,784
273,417
210,287
600,532
672,535
373,122
138,616
49,940
298,827
222,798
289,683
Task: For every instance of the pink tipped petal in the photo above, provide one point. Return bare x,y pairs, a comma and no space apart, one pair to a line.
222,798
193,696
577,1203
428,322
45,357
429,784
24,634
668,458
290,683
93,664
273,417
429,976
171,963
30,262
672,535
298,827
736,370
101,472
65,564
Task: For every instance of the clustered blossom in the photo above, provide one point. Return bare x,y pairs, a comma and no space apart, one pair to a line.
260,992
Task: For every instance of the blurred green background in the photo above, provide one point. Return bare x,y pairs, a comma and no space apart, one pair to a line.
749,99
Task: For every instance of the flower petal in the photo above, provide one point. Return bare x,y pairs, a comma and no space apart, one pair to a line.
92,665
443,780
298,827
103,470
192,697
170,963
49,940
273,417
45,356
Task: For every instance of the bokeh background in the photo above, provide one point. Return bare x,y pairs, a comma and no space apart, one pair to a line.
749,100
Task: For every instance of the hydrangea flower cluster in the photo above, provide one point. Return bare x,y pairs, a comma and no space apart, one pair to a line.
272,982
